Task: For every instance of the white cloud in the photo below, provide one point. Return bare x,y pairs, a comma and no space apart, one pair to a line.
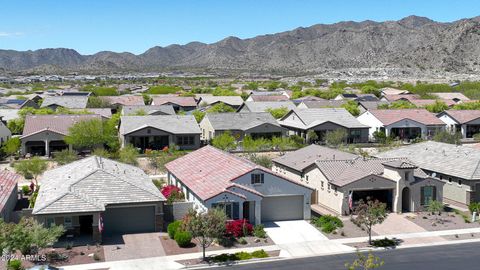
10,34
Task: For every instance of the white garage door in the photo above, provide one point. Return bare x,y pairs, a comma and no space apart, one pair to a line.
282,208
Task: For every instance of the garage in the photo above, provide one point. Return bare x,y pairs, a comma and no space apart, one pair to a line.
282,208
129,220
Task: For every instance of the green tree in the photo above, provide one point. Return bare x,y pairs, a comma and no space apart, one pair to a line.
261,160
312,136
437,107
16,125
205,227
224,141
447,137
352,107
65,156
31,168
435,207
198,115
365,262
86,134
110,132
12,146
399,104
128,154
278,113
369,89
147,99
220,108
336,137
370,213
97,102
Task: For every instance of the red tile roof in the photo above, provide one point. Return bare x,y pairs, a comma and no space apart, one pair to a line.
209,171
8,183
56,123
392,98
181,101
269,98
463,116
125,100
388,117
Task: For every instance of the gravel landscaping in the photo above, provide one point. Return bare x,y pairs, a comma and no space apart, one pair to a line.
445,221
349,230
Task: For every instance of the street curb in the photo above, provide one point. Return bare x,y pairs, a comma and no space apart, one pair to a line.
257,260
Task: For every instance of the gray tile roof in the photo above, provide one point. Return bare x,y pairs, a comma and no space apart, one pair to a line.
344,172
372,105
148,109
90,184
175,124
306,156
239,121
71,102
103,112
254,106
229,100
309,118
449,159
312,104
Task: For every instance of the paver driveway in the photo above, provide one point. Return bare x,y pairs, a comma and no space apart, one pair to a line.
133,246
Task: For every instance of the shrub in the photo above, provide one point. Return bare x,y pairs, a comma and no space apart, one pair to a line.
474,207
15,265
238,228
173,227
183,238
327,223
96,257
240,256
172,193
25,190
260,254
65,156
385,242
158,183
243,256
242,241
259,231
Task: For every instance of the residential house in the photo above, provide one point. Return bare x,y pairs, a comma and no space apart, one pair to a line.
148,110
356,97
125,100
465,122
8,194
256,125
397,182
405,124
364,106
179,103
254,106
212,178
80,194
306,98
233,101
455,165
393,91
159,131
105,113
307,104
404,97
9,103
323,120
453,96
69,102
43,134
267,98
5,133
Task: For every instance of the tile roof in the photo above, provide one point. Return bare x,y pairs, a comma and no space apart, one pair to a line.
255,106
239,121
308,98
209,171
393,91
309,118
90,184
175,124
372,105
148,109
8,183
388,117
124,100
71,102
344,172
306,156
180,101
462,116
324,103
451,95
408,97
56,123
449,159
104,112
229,100
269,98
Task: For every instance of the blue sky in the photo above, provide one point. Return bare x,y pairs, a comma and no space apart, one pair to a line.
119,25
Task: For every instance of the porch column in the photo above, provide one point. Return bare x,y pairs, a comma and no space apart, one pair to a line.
258,212
397,197
47,147
96,235
240,210
464,130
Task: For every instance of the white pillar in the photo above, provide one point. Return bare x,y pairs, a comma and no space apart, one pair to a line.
47,147
258,212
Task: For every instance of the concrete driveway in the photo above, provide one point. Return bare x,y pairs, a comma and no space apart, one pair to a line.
133,246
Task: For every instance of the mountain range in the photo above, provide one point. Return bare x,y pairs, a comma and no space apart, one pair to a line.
410,43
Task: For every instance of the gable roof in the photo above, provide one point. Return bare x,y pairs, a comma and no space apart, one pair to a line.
451,95
180,101
228,100
309,118
56,123
372,105
209,171
344,172
239,121
124,100
175,124
408,97
254,106
8,183
462,116
90,184
306,156
393,91
449,159
148,109
71,102
260,98
388,117
324,103
104,112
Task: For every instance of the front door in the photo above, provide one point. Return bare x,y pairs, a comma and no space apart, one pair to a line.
246,210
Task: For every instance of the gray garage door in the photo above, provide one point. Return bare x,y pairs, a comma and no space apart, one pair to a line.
282,208
129,220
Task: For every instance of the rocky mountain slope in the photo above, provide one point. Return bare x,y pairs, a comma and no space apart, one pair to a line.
411,43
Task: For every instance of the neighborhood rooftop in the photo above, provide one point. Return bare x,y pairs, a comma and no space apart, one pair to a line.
229,100
124,100
180,101
8,182
306,156
176,124
463,116
239,121
148,109
254,106
55,123
314,117
88,185
388,117
72,102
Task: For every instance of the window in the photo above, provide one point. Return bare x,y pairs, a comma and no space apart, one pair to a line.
257,178
321,184
306,178
427,194
407,176
185,140
50,222
67,222
231,209
449,180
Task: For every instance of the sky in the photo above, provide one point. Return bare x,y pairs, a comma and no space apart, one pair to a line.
90,26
